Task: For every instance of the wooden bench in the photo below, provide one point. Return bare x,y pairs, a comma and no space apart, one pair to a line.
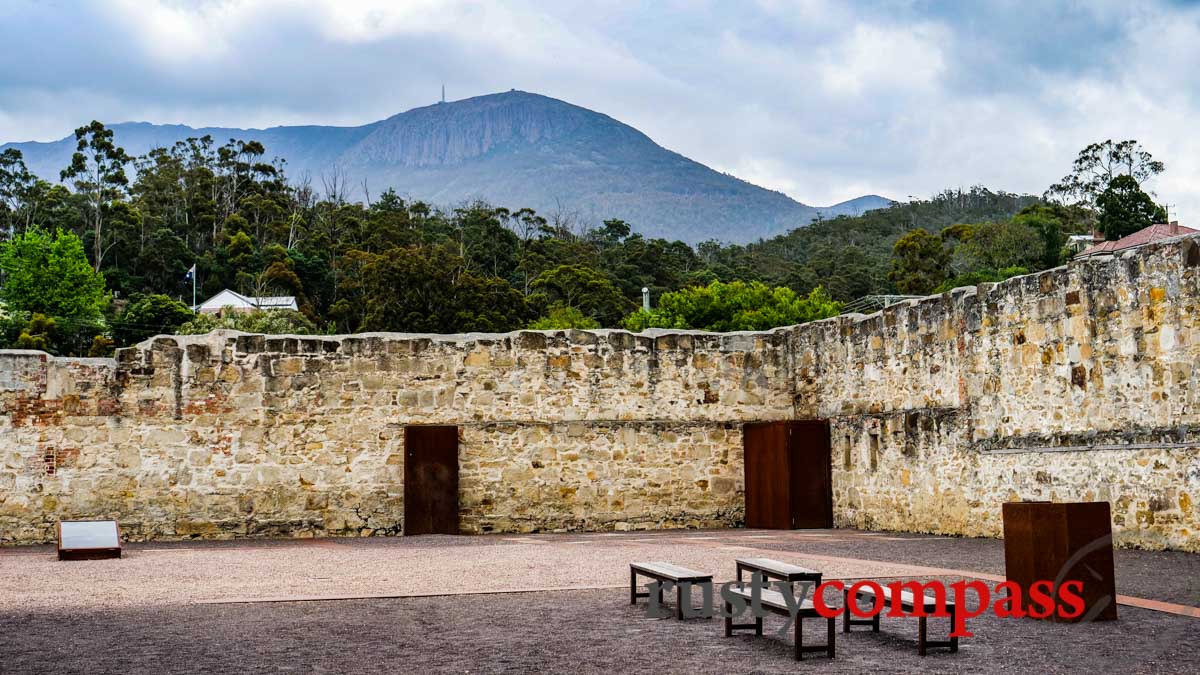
774,602
682,577
908,603
774,569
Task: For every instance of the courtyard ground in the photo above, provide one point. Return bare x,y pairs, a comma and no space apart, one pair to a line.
520,603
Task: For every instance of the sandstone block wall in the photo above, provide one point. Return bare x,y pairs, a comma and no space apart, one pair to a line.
239,435
1076,383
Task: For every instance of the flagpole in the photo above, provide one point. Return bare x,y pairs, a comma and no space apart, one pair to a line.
193,288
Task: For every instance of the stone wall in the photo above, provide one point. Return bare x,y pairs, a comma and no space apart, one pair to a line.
231,434
1076,383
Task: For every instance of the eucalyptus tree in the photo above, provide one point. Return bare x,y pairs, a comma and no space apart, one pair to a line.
97,171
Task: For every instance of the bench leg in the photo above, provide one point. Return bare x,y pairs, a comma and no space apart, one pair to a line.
953,638
632,587
845,611
758,623
799,646
728,620
679,601
830,639
875,623
921,634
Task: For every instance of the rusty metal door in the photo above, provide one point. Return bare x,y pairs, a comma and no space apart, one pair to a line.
765,447
811,484
787,468
431,480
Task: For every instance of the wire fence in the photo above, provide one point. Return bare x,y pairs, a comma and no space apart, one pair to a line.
873,303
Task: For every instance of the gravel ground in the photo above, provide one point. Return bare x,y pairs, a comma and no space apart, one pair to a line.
594,631
173,572
147,612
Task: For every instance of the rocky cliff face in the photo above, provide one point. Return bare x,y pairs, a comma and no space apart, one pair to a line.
513,149
448,134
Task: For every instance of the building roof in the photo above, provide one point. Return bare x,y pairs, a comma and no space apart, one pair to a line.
228,298
1143,236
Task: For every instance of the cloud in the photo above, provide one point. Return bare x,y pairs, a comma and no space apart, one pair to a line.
822,99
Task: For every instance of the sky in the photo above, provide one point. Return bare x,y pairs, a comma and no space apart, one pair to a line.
824,100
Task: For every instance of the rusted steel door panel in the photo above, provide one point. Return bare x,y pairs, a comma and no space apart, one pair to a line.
811,488
787,471
431,480
1061,542
766,464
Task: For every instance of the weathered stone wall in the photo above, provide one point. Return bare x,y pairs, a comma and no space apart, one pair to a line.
1079,383
1076,383
239,435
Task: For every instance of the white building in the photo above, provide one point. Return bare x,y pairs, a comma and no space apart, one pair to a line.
237,302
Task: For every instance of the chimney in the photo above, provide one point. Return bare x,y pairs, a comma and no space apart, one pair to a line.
1173,228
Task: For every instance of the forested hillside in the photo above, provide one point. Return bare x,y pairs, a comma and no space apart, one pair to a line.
107,261
514,149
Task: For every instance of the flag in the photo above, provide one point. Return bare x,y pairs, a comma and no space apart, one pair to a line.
191,274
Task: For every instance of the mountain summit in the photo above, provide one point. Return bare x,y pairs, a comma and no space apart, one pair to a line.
512,149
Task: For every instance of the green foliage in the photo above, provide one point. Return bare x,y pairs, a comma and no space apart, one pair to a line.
38,334
1098,165
98,172
1125,209
851,256
560,317
393,264
581,288
993,246
16,190
423,291
148,316
980,276
918,263
1051,226
274,321
734,306
101,346
50,275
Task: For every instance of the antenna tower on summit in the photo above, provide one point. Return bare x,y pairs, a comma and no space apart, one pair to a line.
443,92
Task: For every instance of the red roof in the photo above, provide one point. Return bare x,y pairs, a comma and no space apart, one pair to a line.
1139,238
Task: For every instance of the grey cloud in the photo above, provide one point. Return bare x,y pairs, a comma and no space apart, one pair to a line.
825,100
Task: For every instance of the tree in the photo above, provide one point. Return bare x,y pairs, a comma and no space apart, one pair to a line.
38,334
98,170
581,288
51,275
1096,167
16,187
994,246
270,321
734,306
1125,209
148,316
918,263
560,317
426,291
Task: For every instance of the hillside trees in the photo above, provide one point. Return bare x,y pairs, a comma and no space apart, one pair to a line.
918,263
97,171
1097,165
401,264
1125,208
734,306
50,288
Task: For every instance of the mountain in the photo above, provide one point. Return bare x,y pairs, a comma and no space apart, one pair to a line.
513,149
